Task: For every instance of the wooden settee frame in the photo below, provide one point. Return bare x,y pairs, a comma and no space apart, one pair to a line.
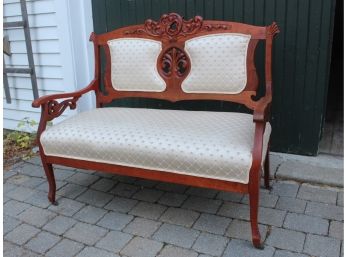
173,65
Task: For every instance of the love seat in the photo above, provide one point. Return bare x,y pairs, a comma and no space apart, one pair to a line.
171,59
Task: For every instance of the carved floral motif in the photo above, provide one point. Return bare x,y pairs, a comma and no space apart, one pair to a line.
174,60
173,25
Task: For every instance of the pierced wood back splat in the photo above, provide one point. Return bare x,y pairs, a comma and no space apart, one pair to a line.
174,64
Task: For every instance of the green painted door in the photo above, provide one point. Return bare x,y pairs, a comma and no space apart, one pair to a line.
301,57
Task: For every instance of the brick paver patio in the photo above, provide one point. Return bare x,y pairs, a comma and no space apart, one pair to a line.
103,215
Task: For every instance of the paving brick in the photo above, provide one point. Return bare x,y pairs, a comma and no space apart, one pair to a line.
242,230
212,224
18,179
36,216
59,225
176,235
71,190
241,211
146,183
286,239
171,187
307,224
340,197
93,252
271,216
90,214
179,216
317,194
95,198
104,184
22,234
172,199
44,186
336,229
85,233
173,251
238,248
229,196
125,179
142,227
9,173
266,199
39,199
326,211
202,192
13,250
148,210
20,194
322,246
142,247
121,204
25,180
202,204
8,188
10,223
114,241
82,179
235,210
148,195
32,170
115,220
66,206
42,242
210,244
33,182
285,189
124,190
13,207
65,248
62,174
284,253
291,204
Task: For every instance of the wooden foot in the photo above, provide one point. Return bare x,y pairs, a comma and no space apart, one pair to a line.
254,212
51,182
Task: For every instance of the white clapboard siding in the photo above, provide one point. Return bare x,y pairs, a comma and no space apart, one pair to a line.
47,49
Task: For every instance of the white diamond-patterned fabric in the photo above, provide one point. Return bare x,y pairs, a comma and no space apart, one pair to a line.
205,144
218,63
134,65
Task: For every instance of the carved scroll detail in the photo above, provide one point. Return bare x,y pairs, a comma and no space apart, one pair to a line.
55,109
174,60
173,25
273,29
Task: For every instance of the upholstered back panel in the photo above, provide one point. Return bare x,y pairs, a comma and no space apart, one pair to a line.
218,63
134,65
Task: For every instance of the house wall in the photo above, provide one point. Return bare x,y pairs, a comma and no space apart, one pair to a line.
60,66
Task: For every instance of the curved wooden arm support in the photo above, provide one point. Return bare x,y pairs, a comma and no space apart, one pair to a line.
51,108
262,109
47,98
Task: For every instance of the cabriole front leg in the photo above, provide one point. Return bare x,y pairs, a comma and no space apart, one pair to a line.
51,182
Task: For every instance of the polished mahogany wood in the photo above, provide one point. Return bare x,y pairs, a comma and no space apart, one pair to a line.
173,65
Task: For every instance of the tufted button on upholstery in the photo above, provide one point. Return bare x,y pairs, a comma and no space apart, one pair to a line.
204,144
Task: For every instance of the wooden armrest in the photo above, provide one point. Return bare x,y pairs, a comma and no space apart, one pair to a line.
262,109
77,94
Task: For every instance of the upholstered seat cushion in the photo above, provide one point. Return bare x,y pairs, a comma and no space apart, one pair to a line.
205,144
